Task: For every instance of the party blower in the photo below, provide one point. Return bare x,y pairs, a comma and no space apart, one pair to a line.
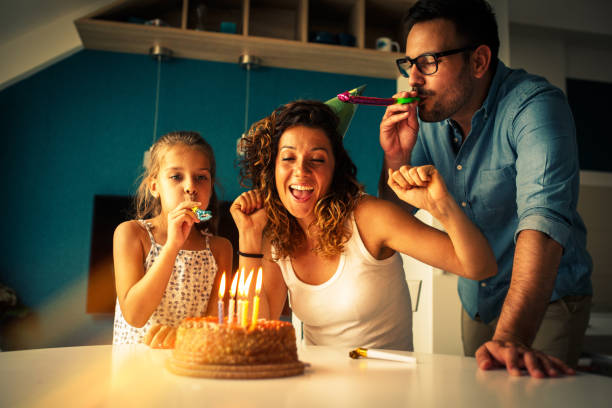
349,97
381,355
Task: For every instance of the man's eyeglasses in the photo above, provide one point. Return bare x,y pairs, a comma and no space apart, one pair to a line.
427,63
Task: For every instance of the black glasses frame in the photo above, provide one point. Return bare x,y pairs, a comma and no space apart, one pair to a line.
413,61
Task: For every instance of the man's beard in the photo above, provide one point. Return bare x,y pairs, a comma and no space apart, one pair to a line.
449,103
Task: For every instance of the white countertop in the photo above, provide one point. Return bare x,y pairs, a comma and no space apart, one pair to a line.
101,376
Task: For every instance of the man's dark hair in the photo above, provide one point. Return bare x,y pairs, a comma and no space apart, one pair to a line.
474,21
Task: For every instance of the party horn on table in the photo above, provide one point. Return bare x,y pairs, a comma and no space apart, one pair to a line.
381,355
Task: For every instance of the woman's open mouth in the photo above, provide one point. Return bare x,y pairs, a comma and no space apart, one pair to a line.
301,192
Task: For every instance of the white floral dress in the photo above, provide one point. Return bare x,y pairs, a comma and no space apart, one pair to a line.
186,295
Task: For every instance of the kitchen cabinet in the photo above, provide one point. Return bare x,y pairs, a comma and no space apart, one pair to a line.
281,33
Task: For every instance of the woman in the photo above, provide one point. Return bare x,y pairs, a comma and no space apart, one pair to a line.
334,248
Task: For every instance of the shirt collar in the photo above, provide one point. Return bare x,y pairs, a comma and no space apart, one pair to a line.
490,101
501,73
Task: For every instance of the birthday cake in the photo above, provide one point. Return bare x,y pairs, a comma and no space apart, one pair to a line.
204,348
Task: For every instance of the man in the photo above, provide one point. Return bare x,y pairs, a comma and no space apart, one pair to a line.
504,142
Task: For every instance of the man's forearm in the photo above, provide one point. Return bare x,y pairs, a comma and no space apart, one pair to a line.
536,260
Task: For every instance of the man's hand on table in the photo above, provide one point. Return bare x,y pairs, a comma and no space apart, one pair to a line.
160,336
516,357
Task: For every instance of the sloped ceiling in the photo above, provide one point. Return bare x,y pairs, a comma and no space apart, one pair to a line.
36,33
18,17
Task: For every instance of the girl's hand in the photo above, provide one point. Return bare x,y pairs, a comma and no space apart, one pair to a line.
180,221
421,187
160,336
248,213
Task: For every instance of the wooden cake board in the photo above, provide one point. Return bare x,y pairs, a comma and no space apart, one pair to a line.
234,371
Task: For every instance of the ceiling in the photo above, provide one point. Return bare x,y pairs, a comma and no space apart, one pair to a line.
17,17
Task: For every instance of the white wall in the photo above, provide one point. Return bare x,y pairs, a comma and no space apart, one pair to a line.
502,15
586,16
53,39
559,55
539,51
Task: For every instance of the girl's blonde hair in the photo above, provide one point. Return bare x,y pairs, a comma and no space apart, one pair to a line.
145,204
259,149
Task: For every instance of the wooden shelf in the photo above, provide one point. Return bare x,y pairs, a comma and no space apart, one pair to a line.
275,31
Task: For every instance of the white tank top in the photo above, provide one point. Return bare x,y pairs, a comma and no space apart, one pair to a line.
186,294
366,303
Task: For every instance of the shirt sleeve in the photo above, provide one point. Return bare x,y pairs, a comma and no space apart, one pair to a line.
547,169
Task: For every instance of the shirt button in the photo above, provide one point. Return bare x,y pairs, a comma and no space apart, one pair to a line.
483,284
459,167
463,204
456,140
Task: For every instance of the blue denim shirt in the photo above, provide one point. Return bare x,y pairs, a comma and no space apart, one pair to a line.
516,170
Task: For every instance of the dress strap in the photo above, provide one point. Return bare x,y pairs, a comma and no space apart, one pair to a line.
147,226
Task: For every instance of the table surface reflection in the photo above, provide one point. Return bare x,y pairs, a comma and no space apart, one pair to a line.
114,376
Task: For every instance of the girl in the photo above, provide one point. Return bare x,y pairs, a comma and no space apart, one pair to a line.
333,248
167,265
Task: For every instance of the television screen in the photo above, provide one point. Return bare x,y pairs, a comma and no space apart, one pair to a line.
108,212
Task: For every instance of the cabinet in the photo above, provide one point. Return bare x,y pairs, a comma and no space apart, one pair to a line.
282,33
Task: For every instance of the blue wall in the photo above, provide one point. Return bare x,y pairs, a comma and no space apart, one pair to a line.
80,128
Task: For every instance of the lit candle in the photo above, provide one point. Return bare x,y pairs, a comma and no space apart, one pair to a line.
245,303
256,299
240,299
220,301
232,302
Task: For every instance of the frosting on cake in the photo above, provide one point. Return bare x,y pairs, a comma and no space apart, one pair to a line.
201,340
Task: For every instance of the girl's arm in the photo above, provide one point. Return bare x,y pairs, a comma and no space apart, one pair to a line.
139,293
250,218
162,336
222,252
462,250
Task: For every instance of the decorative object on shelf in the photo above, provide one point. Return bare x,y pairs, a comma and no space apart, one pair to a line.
228,27
346,39
323,37
387,44
201,11
157,22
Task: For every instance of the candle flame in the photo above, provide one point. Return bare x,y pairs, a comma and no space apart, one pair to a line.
222,286
258,284
247,284
241,283
234,283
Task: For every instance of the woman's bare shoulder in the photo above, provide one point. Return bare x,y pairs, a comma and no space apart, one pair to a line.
370,206
376,213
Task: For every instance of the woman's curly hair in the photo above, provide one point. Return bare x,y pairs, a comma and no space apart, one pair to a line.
146,205
259,149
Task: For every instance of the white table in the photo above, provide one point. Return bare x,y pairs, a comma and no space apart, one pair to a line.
134,376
